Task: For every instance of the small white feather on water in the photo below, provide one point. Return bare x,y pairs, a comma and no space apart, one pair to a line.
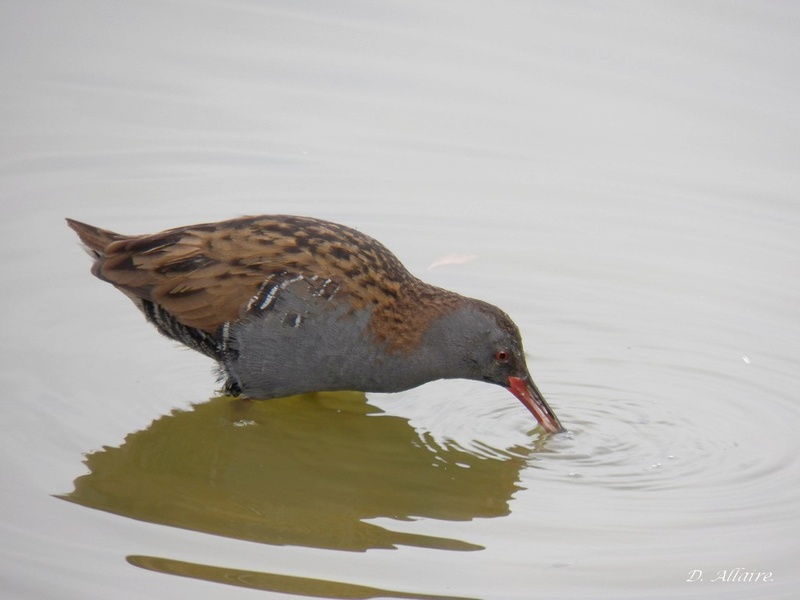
453,259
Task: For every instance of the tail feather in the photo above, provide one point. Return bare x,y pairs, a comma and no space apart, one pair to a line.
95,240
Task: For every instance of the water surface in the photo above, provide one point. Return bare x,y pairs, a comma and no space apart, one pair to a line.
626,179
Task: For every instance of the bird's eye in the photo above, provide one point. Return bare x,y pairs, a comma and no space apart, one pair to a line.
501,356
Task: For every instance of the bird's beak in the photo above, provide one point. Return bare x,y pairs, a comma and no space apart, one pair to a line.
524,389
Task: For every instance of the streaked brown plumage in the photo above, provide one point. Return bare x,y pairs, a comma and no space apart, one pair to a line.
215,287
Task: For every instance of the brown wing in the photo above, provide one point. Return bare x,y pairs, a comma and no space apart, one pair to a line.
205,275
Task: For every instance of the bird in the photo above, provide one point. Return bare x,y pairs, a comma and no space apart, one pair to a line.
290,304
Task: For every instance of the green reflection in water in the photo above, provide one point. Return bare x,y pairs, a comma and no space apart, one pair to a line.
271,582
306,470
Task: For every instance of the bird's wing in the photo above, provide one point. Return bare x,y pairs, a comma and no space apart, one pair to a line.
205,275
202,276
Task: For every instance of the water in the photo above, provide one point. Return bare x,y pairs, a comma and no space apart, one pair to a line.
626,177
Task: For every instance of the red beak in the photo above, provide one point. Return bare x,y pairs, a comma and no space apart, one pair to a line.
531,397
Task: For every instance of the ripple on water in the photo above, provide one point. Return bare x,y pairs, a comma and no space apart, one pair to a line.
685,431
700,437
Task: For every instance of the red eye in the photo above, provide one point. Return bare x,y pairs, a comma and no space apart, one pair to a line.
501,356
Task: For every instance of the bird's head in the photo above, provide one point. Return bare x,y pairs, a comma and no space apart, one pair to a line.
483,343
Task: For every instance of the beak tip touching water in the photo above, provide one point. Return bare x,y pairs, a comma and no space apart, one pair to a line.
527,393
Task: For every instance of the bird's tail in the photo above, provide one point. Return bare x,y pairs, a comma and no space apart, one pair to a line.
94,239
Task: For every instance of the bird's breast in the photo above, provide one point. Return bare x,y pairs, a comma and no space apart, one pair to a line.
299,334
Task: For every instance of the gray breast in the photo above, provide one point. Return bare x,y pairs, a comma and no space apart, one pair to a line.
302,335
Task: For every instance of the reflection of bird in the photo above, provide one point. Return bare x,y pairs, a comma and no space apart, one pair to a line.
288,305
314,470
